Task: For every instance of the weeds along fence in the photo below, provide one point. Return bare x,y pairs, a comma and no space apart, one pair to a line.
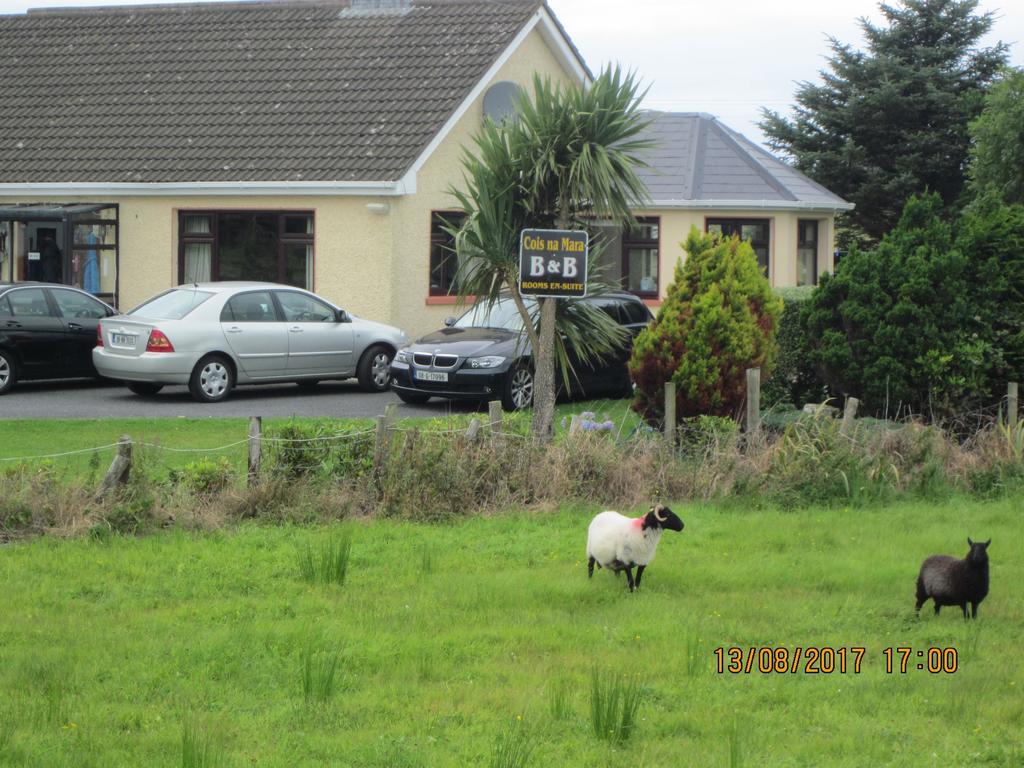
311,471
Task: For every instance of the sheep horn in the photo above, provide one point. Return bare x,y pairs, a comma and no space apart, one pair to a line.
657,514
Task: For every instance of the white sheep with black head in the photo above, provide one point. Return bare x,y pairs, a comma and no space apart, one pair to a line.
621,543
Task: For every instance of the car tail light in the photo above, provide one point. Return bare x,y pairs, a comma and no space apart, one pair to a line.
158,342
99,335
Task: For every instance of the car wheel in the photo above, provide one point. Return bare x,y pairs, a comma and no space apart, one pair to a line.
7,372
374,368
212,379
517,391
144,388
412,399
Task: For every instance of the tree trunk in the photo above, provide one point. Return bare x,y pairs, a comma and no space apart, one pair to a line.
544,356
544,374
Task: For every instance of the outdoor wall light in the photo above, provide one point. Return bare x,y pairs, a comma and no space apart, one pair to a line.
378,208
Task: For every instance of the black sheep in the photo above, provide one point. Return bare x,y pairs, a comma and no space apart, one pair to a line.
948,581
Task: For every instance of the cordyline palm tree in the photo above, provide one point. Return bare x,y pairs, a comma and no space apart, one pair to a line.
568,157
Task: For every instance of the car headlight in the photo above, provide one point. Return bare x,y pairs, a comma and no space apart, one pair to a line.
490,361
403,356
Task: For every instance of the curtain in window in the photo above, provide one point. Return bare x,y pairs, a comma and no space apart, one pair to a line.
198,261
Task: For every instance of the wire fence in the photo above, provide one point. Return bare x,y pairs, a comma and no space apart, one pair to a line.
962,425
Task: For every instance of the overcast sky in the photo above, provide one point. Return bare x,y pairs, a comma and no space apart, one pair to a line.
726,57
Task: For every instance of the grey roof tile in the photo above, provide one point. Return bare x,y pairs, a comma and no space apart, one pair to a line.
697,160
239,91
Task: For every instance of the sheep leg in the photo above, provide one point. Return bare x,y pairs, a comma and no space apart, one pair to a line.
963,607
974,610
590,568
922,596
639,573
937,606
629,578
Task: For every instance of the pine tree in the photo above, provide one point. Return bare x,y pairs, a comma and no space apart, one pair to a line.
893,120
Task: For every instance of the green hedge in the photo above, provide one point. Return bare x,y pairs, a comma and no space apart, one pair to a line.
793,380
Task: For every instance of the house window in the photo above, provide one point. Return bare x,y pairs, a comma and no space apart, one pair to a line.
443,262
630,257
640,257
754,231
246,245
806,252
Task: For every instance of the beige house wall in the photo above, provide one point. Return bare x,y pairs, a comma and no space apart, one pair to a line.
410,309
352,246
676,224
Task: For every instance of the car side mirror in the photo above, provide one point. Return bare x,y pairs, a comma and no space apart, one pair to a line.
449,321
342,316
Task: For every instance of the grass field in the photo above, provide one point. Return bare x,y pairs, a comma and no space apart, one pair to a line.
199,650
172,443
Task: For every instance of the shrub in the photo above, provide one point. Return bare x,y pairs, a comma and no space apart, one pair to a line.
321,449
932,319
718,319
205,477
794,379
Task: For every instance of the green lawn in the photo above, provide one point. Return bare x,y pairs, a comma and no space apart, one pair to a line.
189,439
448,634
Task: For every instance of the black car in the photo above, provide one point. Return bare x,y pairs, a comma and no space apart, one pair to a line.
47,331
485,356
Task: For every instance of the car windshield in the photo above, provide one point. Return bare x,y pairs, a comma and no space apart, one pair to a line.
173,305
502,314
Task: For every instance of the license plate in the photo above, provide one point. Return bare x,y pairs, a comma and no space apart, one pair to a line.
123,339
430,376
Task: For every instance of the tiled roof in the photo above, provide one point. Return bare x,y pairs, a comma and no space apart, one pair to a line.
319,90
696,161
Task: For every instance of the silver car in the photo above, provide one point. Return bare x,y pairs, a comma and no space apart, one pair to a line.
212,336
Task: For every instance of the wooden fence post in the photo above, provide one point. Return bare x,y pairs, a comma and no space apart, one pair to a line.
670,412
255,448
1011,403
473,431
495,413
753,399
849,414
381,447
120,467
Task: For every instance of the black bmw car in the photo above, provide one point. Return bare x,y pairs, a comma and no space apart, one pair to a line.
484,355
47,331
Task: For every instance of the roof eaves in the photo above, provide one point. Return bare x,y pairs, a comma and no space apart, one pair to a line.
738,205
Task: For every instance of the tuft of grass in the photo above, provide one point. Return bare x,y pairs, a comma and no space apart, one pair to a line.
614,702
513,747
198,749
6,731
427,562
327,561
319,674
696,659
735,744
559,701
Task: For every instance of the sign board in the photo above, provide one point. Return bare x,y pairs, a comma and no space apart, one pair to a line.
33,255
553,262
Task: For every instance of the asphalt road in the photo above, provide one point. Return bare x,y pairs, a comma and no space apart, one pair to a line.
100,400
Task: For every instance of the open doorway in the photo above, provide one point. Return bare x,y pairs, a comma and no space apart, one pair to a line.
68,243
